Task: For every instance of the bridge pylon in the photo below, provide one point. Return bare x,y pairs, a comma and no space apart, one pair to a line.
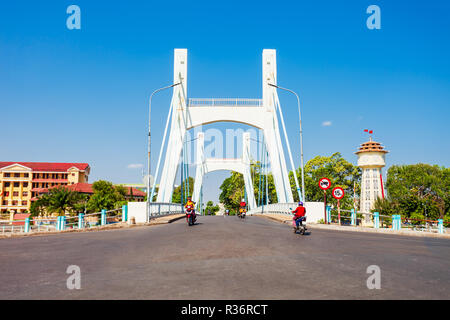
259,113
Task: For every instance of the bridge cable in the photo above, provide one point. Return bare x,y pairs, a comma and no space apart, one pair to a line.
277,101
161,150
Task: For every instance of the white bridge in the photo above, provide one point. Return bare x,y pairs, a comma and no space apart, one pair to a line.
187,113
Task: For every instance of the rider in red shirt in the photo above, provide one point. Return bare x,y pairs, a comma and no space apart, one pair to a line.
299,214
242,206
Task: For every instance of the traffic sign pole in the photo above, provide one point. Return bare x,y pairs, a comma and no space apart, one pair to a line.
339,213
338,194
325,184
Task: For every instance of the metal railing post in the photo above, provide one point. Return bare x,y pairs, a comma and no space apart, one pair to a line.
80,221
27,224
125,213
328,208
103,217
394,222
63,223
376,220
353,214
441,225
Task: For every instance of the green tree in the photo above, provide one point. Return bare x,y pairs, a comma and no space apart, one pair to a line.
210,207
233,187
419,190
60,200
39,206
340,172
176,195
232,191
106,196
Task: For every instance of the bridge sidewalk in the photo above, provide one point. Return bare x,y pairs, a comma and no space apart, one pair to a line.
287,219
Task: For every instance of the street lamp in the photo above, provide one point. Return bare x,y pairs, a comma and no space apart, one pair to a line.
301,137
149,140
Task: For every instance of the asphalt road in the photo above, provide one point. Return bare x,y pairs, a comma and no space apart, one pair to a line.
224,258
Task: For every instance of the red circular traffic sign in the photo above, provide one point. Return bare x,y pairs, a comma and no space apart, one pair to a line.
324,184
338,193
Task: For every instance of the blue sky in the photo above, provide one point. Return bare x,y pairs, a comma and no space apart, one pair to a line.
81,95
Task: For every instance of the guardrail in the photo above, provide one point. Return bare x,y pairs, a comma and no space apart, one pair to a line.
377,221
275,208
353,218
61,223
159,209
227,102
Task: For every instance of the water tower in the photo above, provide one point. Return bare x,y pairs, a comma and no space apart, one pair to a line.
371,159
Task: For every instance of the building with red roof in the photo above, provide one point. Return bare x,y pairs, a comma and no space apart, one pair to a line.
86,188
22,181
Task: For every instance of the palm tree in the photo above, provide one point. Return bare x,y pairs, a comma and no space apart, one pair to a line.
62,200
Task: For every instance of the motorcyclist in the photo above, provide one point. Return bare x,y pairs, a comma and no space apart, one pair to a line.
299,214
190,203
242,206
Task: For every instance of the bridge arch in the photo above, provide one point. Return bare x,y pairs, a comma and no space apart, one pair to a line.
207,165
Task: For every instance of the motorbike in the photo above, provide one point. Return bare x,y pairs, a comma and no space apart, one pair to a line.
190,215
301,228
242,213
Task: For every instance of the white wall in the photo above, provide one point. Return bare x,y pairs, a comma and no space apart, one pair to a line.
137,210
314,211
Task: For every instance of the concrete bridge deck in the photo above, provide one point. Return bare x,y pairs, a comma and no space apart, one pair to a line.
224,258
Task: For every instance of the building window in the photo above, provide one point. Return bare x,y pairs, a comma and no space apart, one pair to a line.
16,175
367,206
24,203
15,193
7,175
25,194
16,184
15,202
375,184
25,184
7,184
25,175
367,195
5,202
6,193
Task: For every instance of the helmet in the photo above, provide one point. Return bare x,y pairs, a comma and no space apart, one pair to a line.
300,203
243,200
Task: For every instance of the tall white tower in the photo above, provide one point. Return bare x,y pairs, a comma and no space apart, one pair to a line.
371,159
